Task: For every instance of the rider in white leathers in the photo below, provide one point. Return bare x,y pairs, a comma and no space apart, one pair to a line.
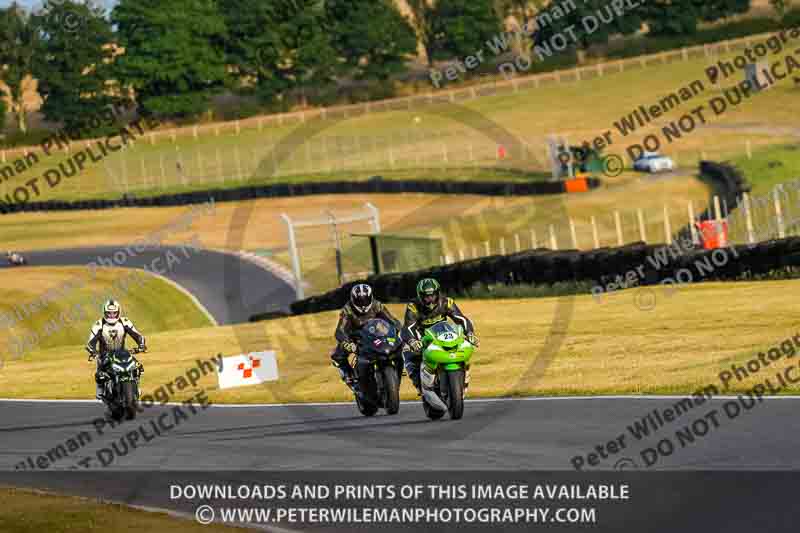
107,335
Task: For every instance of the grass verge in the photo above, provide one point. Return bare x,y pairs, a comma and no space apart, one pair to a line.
154,305
608,347
771,166
22,513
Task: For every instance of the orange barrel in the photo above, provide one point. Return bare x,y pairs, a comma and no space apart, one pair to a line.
714,233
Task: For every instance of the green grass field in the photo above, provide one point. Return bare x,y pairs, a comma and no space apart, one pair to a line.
602,347
771,166
445,136
154,306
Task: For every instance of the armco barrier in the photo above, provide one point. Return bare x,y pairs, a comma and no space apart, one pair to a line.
600,267
484,188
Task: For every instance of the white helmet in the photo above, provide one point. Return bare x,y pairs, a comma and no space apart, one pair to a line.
361,298
112,310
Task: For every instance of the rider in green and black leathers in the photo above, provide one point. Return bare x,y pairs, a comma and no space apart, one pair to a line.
361,308
430,308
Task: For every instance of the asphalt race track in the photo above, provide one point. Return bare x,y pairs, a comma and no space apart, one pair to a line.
537,433
534,440
230,288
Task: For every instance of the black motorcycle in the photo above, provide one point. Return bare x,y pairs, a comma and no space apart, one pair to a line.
121,393
379,366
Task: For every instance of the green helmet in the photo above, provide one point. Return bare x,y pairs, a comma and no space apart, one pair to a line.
428,291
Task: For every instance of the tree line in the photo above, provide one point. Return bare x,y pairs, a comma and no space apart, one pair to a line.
172,56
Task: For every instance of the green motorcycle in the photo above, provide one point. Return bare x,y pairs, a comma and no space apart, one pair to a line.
444,375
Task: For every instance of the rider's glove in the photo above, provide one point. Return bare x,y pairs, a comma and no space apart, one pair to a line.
142,347
92,353
472,339
349,347
415,345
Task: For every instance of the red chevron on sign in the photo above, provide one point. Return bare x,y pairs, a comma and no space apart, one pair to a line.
248,372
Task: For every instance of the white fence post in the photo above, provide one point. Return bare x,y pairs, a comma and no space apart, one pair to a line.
642,232
667,226
553,241
618,224
778,214
594,233
748,214
517,243
573,234
487,248
695,238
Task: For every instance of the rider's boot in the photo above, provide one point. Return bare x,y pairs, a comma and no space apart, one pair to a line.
100,380
346,374
413,374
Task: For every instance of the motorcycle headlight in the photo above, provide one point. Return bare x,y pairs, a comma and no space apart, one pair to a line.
118,368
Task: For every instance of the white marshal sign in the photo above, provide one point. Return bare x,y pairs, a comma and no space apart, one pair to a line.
250,369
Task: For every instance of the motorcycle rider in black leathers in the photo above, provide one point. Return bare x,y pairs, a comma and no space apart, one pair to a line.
109,333
361,308
430,308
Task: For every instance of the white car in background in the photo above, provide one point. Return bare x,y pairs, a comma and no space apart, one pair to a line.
653,162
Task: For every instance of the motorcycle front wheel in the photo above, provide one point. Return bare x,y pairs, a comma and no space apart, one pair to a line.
430,411
128,396
455,393
364,407
391,390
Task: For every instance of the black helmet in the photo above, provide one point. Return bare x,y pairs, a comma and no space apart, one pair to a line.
428,293
361,298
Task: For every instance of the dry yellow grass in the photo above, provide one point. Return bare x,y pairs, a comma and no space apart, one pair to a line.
606,347
35,231
22,513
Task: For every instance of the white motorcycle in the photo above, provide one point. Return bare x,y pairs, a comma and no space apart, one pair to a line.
15,259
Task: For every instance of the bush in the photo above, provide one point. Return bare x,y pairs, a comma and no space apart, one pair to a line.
791,19
649,44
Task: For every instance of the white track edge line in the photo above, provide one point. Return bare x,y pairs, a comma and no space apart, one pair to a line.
468,400
191,296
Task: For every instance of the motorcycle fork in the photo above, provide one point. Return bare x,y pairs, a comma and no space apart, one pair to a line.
380,390
441,384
